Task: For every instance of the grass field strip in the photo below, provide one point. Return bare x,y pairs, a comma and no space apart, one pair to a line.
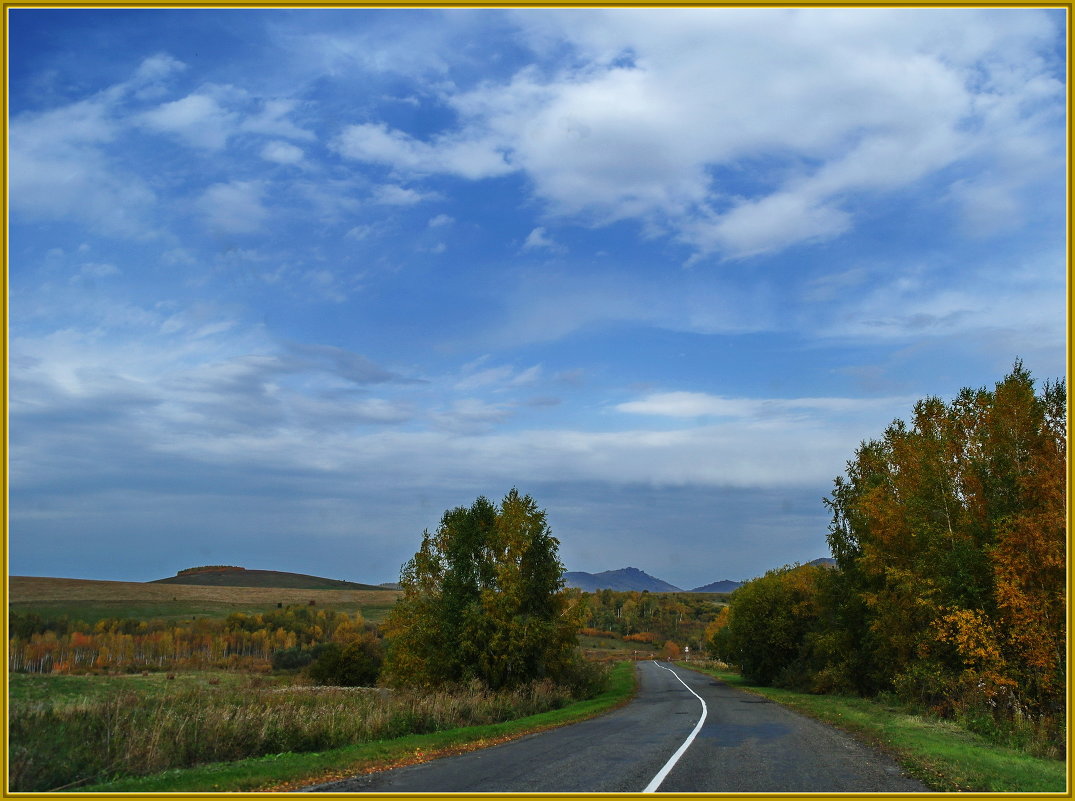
671,763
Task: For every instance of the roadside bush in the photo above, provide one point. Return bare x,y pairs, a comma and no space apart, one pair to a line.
768,624
583,678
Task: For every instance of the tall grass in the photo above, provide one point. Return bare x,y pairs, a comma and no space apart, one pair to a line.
58,746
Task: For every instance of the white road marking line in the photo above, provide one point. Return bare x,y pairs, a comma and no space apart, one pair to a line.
671,763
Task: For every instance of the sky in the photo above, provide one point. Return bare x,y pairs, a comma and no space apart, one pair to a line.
285,285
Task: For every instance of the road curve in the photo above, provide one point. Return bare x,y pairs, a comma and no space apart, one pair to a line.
746,744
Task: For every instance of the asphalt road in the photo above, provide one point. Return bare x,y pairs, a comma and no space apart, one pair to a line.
745,744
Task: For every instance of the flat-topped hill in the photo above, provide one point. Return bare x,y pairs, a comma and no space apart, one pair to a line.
31,589
241,577
90,600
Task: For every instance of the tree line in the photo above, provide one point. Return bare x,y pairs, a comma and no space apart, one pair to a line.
650,617
949,536
483,601
38,645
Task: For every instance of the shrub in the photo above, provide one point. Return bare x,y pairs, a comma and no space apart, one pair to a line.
354,664
292,658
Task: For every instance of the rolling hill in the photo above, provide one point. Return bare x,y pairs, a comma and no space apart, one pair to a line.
719,586
627,578
241,577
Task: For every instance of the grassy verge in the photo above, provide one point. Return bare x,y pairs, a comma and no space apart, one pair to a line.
939,753
289,771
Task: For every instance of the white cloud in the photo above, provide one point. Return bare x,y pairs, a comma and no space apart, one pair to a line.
156,68
151,78
234,207
798,110
325,284
78,161
461,451
272,120
282,153
396,195
198,119
59,170
528,376
469,158
192,373
470,416
986,206
475,376
441,220
538,239
550,305
700,404
769,224
360,233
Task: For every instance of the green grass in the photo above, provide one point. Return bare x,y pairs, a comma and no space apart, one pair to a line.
176,611
60,690
293,770
939,753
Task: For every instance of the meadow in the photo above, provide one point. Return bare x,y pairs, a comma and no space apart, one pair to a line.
90,601
101,711
67,732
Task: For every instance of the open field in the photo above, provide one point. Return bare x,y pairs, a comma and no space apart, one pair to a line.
89,600
615,649
70,730
26,689
291,771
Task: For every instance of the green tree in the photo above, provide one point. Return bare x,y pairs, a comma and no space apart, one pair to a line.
765,632
483,598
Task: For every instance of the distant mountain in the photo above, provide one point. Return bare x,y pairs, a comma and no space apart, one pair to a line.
627,578
719,586
824,561
240,577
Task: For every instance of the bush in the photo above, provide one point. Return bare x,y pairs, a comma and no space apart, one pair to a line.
769,622
584,678
292,658
355,664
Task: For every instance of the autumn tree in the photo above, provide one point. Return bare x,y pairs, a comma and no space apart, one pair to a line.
671,651
949,535
483,598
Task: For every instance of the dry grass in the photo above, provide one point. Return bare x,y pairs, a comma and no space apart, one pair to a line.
28,589
129,734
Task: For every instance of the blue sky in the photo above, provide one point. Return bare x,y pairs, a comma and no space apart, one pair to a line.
286,284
